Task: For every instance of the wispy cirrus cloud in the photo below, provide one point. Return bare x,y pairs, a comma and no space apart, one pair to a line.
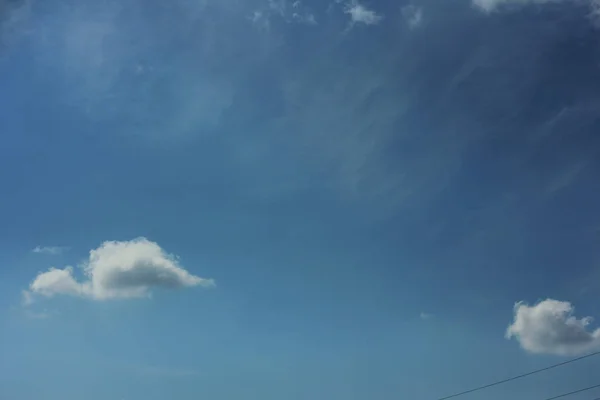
494,5
26,298
287,11
412,15
51,250
361,14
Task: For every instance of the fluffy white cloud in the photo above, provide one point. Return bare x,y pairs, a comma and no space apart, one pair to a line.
550,327
118,270
361,14
57,281
52,250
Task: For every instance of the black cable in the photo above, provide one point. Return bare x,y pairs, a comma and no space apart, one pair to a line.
573,392
519,377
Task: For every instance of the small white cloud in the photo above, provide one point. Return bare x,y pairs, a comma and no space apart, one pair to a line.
425,316
57,281
361,14
116,270
51,250
550,327
413,16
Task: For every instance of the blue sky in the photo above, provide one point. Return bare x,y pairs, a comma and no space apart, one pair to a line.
277,199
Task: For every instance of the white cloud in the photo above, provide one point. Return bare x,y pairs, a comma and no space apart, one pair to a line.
284,10
116,270
361,14
52,250
57,281
301,14
550,327
413,16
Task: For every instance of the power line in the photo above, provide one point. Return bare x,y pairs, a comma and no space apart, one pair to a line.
573,392
519,377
